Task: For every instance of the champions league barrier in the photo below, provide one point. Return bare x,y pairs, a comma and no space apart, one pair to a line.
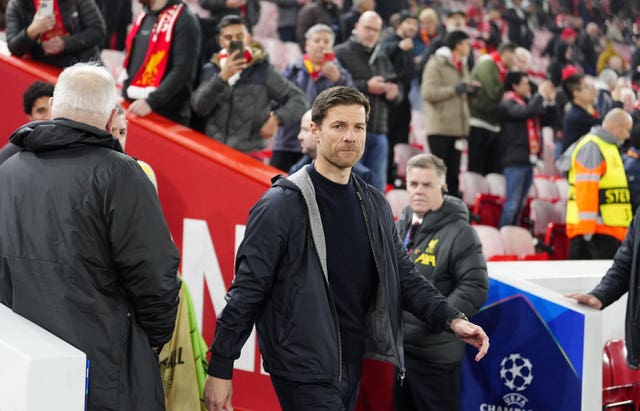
546,351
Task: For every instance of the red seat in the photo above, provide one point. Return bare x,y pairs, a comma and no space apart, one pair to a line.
398,200
518,241
620,383
622,373
492,245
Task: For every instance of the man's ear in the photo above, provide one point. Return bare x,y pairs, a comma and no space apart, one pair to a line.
50,107
113,115
314,131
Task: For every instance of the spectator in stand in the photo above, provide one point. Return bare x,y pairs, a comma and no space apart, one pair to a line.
398,46
428,32
631,159
635,57
599,206
352,16
518,24
249,10
83,216
314,72
320,12
522,118
604,101
490,72
446,86
374,75
309,147
589,44
604,59
236,90
287,17
117,16
492,29
563,58
446,250
73,32
161,68
35,100
582,115
3,10
475,13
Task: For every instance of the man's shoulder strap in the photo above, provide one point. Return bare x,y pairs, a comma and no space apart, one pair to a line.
302,179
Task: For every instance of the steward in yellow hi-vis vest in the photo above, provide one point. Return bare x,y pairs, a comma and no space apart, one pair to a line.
599,206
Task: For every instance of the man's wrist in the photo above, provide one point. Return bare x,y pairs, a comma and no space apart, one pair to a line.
220,367
458,315
275,117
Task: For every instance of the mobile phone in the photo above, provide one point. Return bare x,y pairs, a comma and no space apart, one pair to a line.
45,8
236,45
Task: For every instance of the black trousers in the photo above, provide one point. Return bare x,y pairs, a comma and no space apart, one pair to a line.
444,147
428,387
601,247
342,396
398,125
484,151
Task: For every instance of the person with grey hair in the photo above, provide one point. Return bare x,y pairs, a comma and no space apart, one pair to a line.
83,234
315,71
607,80
446,250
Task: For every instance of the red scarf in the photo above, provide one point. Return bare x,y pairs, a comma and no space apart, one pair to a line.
151,72
533,124
58,30
313,71
502,70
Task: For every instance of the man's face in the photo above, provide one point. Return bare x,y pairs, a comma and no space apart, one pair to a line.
623,130
430,26
40,109
584,95
317,45
305,137
508,59
237,32
523,88
408,28
463,48
368,29
456,22
341,136
119,129
425,190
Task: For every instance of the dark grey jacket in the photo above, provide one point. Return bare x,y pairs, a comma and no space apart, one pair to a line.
82,20
280,285
448,253
358,61
622,277
85,253
235,114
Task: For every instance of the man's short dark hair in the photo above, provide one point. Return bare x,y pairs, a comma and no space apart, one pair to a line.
572,84
337,96
512,78
454,38
507,47
35,91
230,20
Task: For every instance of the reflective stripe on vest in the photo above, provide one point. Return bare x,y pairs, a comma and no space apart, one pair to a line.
614,197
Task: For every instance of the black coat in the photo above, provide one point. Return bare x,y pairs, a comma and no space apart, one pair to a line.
622,277
82,20
279,285
448,252
86,254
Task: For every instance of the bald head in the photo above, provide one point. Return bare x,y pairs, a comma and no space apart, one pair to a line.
368,28
619,123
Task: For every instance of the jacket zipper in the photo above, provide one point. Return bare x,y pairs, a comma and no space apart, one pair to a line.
401,371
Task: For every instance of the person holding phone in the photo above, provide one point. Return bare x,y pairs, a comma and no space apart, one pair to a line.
236,90
56,32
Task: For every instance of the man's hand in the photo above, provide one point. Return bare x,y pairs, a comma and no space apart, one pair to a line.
234,4
471,334
376,85
406,44
586,299
233,65
53,46
40,24
331,72
269,127
392,91
217,394
140,108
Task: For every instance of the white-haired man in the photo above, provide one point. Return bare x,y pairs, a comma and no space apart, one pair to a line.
85,251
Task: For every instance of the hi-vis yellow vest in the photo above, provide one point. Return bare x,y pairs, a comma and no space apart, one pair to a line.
614,196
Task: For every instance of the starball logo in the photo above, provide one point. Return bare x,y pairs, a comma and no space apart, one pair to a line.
516,373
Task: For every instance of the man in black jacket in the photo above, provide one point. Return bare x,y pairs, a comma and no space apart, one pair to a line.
446,251
161,60
323,275
85,251
73,35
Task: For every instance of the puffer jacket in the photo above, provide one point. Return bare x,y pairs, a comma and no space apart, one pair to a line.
85,253
280,284
448,253
446,113
82,20
235,114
